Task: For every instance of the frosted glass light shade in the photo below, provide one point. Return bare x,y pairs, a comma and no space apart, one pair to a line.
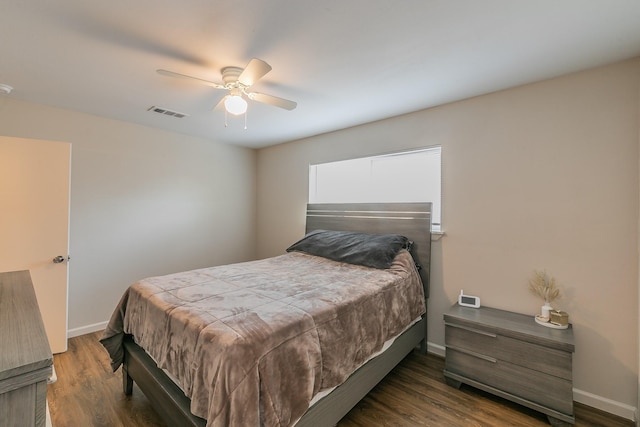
235,105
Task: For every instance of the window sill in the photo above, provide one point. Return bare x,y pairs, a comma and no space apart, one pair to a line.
437,235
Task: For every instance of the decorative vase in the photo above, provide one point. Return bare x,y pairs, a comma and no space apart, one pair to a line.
546,311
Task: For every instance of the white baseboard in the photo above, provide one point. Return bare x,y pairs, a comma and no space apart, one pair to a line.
602,403
83,330
436,349
48,417
611,406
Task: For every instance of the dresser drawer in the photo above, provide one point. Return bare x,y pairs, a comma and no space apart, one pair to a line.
535,357
546,390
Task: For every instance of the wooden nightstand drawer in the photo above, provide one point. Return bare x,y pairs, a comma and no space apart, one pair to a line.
540,358
546,390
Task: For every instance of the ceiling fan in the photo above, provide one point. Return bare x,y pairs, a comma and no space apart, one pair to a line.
237,82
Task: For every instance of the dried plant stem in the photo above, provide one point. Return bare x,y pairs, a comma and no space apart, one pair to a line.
544,286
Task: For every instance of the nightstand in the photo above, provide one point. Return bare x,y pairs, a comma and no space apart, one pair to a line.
510,355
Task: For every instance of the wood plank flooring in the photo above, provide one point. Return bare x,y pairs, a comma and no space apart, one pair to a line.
88,394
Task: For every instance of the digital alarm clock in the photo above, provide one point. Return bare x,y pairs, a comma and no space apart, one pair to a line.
468,300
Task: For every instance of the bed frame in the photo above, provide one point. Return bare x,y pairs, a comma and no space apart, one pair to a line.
412,220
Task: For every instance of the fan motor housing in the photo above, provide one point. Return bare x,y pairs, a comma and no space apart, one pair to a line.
230,75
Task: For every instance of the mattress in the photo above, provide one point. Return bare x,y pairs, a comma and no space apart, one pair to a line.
254,343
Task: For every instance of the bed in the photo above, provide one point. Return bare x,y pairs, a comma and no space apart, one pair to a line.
311,362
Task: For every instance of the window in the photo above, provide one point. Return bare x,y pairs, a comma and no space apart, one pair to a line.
411,176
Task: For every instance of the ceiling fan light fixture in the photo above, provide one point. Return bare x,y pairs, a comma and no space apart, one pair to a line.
235,104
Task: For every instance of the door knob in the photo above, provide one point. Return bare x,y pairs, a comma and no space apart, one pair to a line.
58,259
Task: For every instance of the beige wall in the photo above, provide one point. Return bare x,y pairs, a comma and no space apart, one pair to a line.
143,202
543,176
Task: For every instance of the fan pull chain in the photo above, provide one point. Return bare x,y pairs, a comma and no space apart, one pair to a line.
226,122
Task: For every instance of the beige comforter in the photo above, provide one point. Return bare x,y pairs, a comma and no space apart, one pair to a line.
252,343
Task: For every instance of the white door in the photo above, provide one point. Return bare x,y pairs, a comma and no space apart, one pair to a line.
34,223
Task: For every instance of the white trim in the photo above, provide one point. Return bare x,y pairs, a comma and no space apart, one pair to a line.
611,406
436,235
83,330
436,349
48,416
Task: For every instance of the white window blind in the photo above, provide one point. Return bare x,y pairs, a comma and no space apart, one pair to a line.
412,176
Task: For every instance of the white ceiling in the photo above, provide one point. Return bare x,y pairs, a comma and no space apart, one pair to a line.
346,62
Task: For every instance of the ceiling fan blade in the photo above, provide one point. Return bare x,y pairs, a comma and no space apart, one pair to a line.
184,76
272,100
220,105
254,71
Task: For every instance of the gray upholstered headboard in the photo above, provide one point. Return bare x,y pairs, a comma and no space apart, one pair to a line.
412,220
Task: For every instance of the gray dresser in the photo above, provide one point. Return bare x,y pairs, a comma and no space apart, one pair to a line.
25,355
511,356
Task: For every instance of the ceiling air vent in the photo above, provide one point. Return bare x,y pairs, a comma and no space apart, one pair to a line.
167,112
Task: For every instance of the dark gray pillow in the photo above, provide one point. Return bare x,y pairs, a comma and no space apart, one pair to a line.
370,250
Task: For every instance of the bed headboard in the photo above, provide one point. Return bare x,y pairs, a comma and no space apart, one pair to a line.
412,220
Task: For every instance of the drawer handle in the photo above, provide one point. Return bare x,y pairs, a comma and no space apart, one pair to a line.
474,354
477,331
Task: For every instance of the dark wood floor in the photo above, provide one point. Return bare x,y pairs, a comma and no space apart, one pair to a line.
88,394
